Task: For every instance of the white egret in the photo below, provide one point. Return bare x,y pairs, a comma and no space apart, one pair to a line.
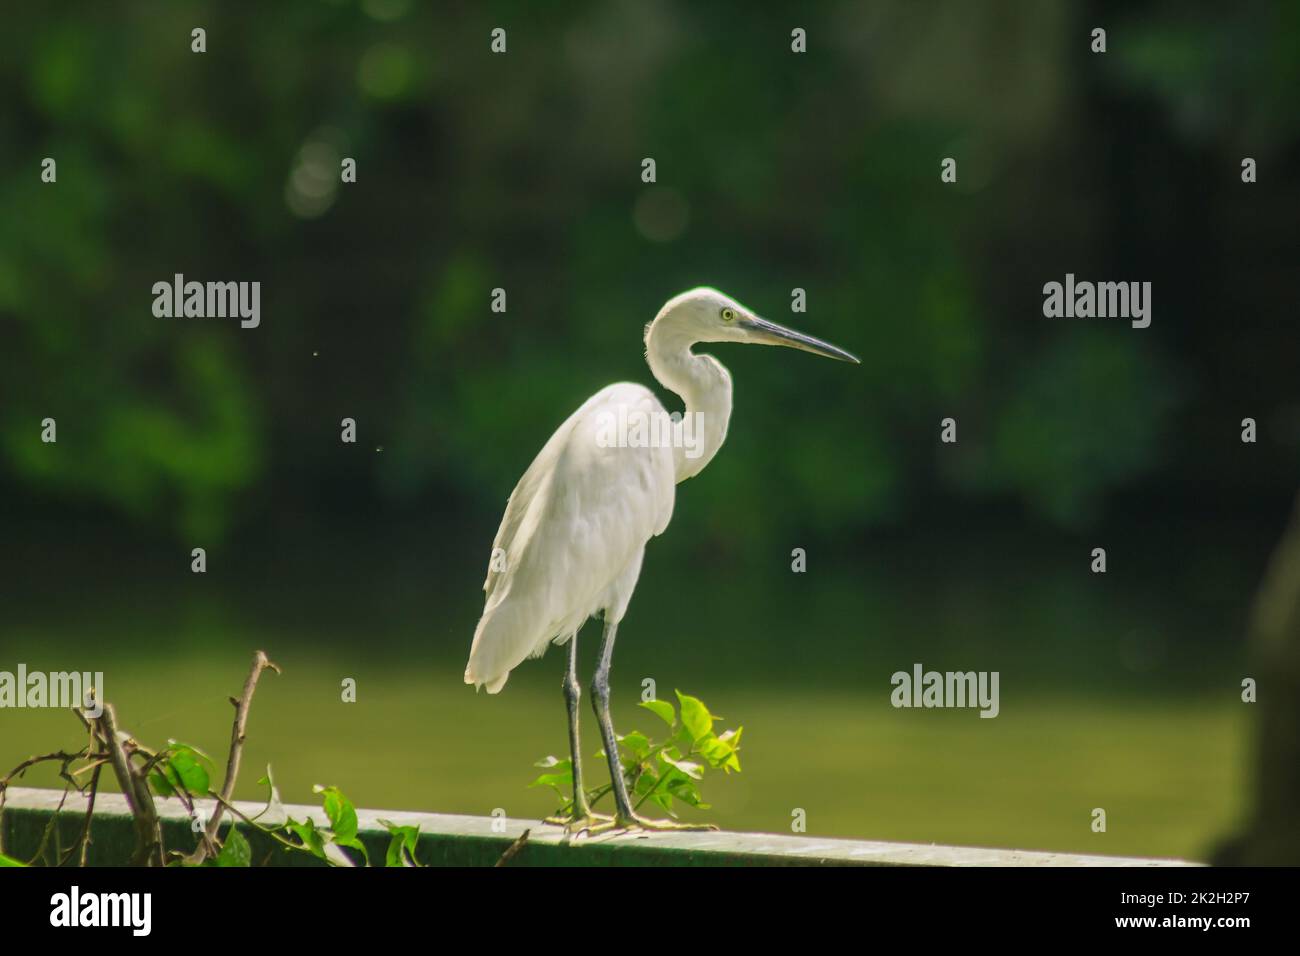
576,526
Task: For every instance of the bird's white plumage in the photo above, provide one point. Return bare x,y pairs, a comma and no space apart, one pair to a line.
576,526
573,534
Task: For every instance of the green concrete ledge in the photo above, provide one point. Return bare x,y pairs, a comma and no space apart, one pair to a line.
452,840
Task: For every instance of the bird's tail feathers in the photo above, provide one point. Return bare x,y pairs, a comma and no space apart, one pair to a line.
502,642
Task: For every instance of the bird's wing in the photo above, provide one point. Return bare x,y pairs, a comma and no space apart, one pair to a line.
580,513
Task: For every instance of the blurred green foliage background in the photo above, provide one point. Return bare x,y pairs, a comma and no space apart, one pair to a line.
775,171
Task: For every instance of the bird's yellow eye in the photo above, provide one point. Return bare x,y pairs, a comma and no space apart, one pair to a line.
728,314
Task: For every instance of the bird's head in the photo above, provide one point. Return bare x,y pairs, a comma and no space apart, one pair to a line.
707,315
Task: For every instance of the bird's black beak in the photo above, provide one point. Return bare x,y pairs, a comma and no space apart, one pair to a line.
763,332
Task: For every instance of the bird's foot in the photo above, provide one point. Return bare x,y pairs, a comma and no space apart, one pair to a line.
595,824
578,824
635,822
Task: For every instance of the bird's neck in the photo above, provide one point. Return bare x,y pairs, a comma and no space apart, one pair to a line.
704,386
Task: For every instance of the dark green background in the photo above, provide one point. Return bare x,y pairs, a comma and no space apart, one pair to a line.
775,171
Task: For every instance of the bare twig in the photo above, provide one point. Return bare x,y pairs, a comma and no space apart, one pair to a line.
84,841
237,734
187,801
513,849
49,828
135,788
132,763
18,771
64,758
269,831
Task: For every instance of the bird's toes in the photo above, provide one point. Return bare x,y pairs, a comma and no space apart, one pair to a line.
587,824
641,823
594,827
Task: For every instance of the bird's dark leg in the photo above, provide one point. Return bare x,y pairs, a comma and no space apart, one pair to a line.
600,703
580,818
625,817
572,694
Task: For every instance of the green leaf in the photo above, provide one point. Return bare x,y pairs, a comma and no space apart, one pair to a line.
353,843
274,811
645,783
684,741
312,840
688,767
560,779
182,768
714,749
695,716
733,740
342,814
192,774
401,849
687,792
636,743
182,747
662,709
343,825
556,781
160,784
720,751
235,851
10,861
